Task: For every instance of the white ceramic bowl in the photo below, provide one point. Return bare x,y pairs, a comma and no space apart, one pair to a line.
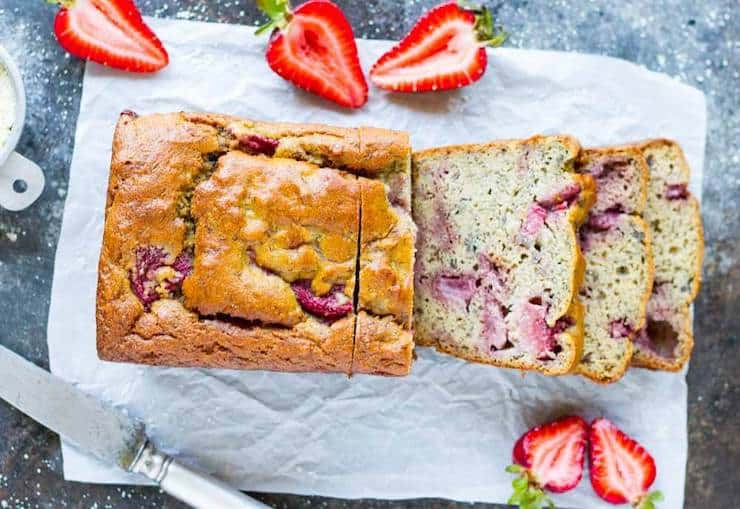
20,105
21,180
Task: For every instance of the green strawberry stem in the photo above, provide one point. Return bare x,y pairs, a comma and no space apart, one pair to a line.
527,494
486,32
67,4
649,500
278,11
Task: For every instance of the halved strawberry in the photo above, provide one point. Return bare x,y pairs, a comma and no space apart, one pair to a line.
109,32
622,470
313,47
548,457
444,50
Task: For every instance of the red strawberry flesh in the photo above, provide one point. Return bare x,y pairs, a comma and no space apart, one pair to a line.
317,52
538,338
143,277
148,260
518,454
450,288
619,329
553,453
183,266
258,144
441,52
676,191
622,471
603,221
566,196
331,306
534,221
110,32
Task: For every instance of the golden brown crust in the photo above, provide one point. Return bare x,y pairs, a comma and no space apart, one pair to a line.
382,346
268,223
365,150
586,199
252,225
571,144
142,203
386,256
576,215
142,208
170,335
383,341
386,261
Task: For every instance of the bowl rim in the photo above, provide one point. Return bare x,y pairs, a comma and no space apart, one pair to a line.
7,61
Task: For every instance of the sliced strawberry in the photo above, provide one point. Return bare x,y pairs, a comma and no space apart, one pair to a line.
622,471
444,50
109,32
548,457
314,48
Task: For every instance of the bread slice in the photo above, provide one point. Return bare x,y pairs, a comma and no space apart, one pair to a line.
619,268
498,262
383,339
673,216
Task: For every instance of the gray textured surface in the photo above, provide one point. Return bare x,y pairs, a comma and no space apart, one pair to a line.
698,42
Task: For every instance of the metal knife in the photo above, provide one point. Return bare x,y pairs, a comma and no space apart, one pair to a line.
108,434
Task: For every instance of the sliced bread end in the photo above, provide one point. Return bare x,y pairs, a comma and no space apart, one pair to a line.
673,216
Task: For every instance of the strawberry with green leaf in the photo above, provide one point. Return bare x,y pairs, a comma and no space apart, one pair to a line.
313,47
444,50
548,458
622,471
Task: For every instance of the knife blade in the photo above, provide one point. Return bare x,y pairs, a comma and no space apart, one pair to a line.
108,434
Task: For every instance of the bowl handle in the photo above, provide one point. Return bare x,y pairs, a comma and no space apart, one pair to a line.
21,182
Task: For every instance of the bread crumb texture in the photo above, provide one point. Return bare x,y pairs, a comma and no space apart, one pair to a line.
498,262
619,266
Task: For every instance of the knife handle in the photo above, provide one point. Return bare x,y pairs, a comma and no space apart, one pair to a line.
199,490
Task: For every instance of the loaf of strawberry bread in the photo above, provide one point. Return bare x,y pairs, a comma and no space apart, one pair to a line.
498,263
256,245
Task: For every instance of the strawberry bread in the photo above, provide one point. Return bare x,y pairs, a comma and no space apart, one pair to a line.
498,263
254,245
615,242
673,216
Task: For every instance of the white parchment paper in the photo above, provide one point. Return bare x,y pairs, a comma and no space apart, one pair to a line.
448,429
